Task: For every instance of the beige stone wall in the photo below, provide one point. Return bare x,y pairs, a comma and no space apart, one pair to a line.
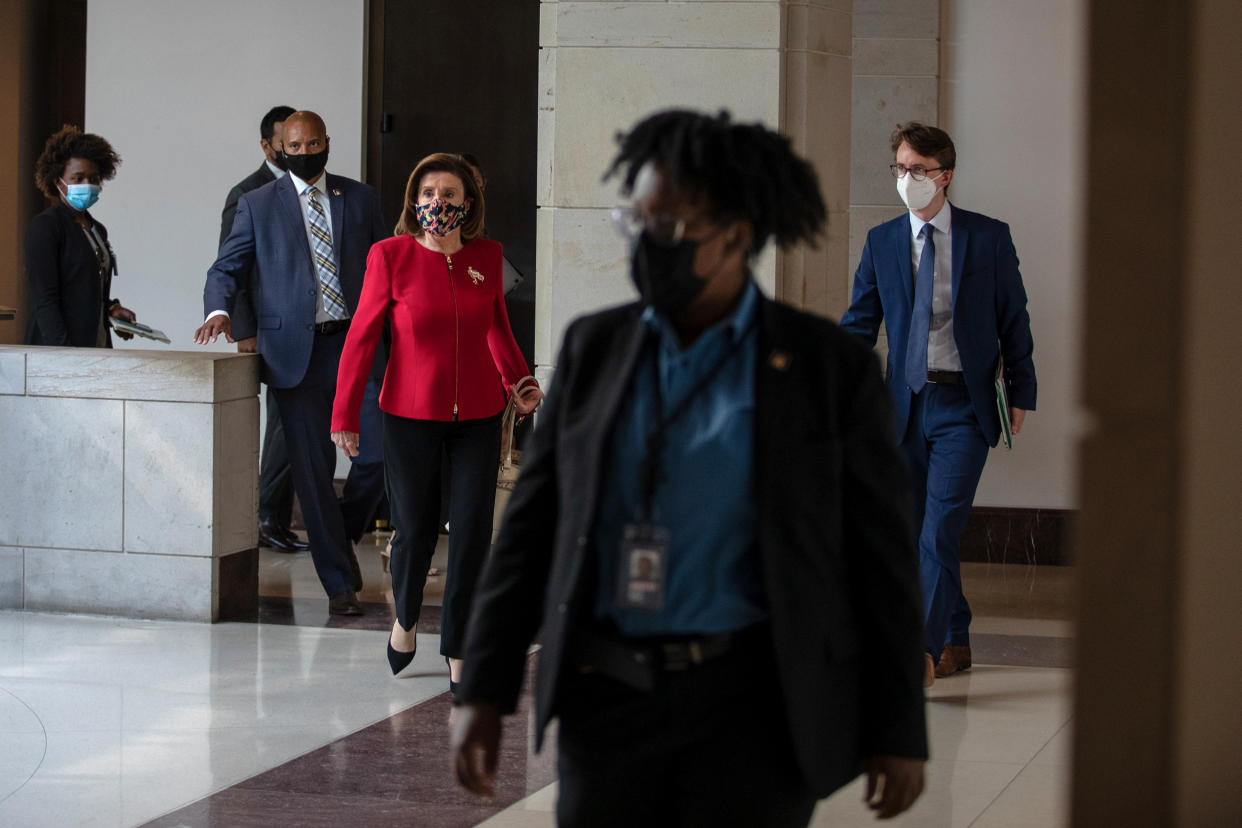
896,79
606,65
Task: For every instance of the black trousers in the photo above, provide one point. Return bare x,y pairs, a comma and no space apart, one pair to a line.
709,746
306,415
412,455
275,476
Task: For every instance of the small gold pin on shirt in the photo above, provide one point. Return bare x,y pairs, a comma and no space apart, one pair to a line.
778,360
475,275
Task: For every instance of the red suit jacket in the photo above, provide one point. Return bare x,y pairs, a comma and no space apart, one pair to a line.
453,354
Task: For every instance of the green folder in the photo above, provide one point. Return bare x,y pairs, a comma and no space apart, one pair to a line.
1002,404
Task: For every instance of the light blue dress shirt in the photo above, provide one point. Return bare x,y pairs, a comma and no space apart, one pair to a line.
706,500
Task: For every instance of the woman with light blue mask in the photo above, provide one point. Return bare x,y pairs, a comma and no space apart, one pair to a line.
69,263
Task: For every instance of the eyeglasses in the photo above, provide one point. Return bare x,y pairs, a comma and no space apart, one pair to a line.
916,172
663,228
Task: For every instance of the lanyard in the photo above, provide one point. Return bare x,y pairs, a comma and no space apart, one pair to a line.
651,472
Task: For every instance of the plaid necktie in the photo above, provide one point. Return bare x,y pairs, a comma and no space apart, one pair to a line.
329,282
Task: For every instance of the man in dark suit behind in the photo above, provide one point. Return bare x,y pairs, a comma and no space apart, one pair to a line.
305,237
945,283
275,478
711,527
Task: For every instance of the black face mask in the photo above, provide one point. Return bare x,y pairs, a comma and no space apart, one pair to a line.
664,274
279,161
305,167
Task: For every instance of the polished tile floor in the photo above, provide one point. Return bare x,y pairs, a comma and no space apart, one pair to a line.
295,720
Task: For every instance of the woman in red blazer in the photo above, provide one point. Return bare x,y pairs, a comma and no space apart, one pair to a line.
452,362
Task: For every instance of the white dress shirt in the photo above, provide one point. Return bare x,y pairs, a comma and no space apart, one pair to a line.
941,348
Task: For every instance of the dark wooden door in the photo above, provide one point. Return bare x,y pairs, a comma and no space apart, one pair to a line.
453,76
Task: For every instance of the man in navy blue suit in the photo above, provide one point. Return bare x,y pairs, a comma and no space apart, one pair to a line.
305,237
946,285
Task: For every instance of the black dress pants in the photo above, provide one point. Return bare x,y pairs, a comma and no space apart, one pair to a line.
710,746
275,476
306,415
412,455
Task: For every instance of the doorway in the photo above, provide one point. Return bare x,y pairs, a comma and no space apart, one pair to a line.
446,76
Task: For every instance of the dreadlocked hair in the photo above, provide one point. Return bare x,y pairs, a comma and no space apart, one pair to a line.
745,171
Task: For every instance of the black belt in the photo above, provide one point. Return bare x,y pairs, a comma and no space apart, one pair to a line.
945,377
332,326
637,662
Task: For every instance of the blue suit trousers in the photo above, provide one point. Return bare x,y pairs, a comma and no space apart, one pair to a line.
945,452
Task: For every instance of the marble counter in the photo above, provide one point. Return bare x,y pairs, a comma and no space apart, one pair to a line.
129,482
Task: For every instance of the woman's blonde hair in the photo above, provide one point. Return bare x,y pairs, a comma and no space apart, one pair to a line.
472,227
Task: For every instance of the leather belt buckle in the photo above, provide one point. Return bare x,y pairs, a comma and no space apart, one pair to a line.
679,656
332,326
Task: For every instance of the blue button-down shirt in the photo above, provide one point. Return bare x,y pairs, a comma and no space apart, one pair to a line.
706,499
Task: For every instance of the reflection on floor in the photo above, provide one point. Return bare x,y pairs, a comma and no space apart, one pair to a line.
295,720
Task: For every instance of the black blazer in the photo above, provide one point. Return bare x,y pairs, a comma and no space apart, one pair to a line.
243,319
839,564
67,300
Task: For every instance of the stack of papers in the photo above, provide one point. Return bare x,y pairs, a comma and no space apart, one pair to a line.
1002,405
138,329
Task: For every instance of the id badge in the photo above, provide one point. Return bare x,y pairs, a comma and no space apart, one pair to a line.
641,567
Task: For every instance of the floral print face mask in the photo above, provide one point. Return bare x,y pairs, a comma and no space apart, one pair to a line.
440,217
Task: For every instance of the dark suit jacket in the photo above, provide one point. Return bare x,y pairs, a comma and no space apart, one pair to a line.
839,568
66,298
989,312
268,238
244,322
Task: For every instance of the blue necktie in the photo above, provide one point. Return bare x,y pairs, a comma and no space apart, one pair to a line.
920,319
325,266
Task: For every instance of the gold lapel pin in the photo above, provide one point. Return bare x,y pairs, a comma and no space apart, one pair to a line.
778,360
475,275
336,191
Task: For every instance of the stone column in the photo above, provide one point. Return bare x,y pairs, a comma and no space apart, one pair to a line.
603,66
896,79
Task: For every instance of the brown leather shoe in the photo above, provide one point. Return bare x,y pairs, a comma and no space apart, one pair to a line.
345,603
954,659
929,671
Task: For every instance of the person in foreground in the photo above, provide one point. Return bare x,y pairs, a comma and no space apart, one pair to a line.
304,239
945,283
711,528
453,356
69,262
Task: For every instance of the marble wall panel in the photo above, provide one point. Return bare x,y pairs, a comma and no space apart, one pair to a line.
65,473
880,103
168,477
235,500
545,171
897,18
134,586
601,91
12,371
695,25
896,56
12,577
811,28
174,376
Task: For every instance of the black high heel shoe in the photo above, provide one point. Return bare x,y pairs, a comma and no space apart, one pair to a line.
452,684
398,661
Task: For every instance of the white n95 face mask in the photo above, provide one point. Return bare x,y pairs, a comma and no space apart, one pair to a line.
916,194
